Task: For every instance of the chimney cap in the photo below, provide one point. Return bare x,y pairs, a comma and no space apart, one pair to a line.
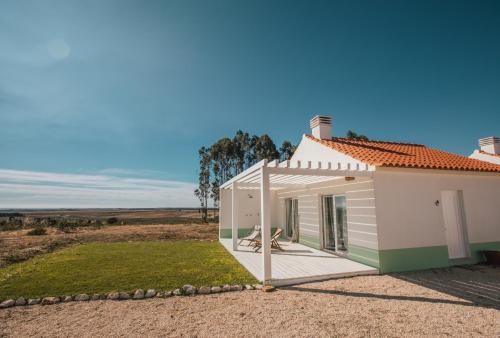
321,127
490,145
489,140
320,119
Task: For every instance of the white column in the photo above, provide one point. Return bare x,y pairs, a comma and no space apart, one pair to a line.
234,215
265,215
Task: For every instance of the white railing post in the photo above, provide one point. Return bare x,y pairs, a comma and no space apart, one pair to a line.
265,214
234,215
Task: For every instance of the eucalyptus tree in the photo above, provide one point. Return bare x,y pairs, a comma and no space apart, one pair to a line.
350,135
287,150
222,152
241,146
203,190
222,155
228,157
215,184
265,149
251,157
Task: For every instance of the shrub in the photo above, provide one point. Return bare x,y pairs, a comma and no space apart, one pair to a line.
66,227
39,231
112,220
52,222
9,226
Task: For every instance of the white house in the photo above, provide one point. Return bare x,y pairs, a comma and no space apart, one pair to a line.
489,150
392,206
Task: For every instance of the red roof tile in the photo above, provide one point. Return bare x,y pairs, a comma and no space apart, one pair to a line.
406,155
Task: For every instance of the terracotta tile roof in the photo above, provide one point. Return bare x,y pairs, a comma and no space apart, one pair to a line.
484,152
406,155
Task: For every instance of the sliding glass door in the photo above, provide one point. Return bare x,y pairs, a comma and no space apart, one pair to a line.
328,223
335,223
292,219
341,222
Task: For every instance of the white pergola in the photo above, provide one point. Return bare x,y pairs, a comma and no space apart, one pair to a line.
286,174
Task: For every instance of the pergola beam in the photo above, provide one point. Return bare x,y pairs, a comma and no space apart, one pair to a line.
320,172
251,179
288,172
252,169
272,185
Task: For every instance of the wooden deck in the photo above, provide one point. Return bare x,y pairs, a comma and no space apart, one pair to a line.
298,263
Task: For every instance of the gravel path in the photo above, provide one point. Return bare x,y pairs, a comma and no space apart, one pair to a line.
389,305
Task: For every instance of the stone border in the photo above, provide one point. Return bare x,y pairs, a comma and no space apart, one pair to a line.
186,290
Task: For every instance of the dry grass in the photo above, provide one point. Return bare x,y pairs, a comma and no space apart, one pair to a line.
403,305
16,246
154,216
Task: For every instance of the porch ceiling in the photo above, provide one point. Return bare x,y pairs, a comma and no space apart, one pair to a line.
290,174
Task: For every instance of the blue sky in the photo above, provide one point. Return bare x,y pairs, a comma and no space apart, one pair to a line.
113,91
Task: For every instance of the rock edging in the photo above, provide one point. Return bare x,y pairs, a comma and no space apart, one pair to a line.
186,290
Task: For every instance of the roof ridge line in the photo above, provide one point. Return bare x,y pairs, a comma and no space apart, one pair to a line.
375,141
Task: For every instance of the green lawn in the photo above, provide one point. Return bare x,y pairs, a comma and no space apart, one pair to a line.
126,266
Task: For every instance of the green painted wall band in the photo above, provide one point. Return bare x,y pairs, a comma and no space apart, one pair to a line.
363,255
310,241
395,260
412,259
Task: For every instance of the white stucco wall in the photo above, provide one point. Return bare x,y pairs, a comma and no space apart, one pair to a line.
248,208
407,216
361,218
485,157
309,150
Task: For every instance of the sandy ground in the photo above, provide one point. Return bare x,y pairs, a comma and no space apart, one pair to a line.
17,246
390,305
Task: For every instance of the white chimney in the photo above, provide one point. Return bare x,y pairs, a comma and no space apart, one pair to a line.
321,127
490,145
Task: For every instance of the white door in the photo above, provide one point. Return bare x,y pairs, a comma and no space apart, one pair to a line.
454,223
